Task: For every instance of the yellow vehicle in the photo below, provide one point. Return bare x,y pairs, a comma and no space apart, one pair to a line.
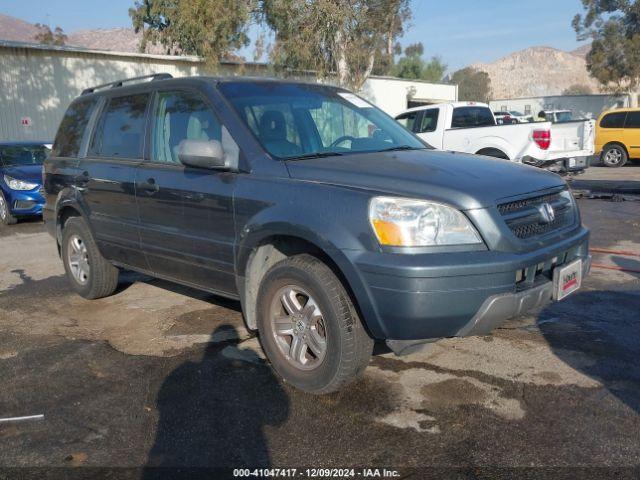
618,136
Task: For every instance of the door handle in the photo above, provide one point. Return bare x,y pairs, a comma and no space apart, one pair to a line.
150,186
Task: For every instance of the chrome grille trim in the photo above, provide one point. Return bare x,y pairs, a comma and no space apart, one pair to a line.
525,221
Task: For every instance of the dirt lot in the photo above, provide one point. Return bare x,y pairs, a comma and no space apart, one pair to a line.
159,375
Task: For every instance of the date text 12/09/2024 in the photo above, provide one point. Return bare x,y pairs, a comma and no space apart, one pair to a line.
316,473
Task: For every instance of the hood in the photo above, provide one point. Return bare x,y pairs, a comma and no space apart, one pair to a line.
28,173
464,181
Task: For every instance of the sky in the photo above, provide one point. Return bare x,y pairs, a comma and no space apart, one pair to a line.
462,32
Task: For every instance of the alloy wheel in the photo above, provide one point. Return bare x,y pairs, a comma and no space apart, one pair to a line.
613,156
298,327
78,260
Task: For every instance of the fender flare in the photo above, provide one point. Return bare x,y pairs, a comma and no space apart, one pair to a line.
355,284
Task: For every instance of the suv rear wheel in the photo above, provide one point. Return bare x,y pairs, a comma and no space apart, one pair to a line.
89,273
309,328
614,156
5,215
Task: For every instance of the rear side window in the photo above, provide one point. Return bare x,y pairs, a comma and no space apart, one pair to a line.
72,128
613,120
408,120
429,121
633,120
472,117
120,129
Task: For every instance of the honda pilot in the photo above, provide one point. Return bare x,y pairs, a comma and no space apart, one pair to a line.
332,224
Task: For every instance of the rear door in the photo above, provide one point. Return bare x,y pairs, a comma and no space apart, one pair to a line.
632,134
107,177
186,214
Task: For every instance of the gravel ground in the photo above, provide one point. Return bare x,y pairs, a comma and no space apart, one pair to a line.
159,375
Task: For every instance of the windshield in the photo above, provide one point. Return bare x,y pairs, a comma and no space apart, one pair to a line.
516,114
298,120
12,155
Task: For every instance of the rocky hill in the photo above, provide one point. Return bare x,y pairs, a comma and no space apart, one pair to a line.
538,71
114,39
12,28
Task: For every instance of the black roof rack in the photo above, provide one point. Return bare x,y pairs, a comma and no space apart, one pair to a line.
119,83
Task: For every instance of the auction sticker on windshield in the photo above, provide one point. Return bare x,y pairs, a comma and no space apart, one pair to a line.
567,279
355,100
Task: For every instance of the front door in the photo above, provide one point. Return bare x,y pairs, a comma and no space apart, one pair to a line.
107,176
186,214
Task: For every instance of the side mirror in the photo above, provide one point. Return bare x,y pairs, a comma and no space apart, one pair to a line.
202,153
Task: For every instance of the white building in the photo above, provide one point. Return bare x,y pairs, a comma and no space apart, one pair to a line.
37,83
582,106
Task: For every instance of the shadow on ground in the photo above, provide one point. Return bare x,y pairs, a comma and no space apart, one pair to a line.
596,333
213,412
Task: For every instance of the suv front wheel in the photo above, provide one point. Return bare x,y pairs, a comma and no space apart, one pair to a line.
5,215
309,328
89,273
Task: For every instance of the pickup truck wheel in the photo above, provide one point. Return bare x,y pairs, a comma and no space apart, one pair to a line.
5,215
89,273
614,156
309,328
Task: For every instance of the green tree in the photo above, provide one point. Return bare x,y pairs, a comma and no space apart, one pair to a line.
47,37
473,85
577,89
341,36
413,66
613,26
209,28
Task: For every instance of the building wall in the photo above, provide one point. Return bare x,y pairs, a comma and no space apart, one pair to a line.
37,83
392,94
582,106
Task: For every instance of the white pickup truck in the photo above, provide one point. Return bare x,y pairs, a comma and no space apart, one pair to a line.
471,127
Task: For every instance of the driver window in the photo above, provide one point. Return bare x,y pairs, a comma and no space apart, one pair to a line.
180,116
335,122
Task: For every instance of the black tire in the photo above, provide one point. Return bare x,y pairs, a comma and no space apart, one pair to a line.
348,346
102,278
5,215
614,156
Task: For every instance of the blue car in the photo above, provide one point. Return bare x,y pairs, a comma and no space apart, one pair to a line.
21,179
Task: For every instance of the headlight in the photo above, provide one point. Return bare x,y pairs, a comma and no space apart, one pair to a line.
404,222
15,184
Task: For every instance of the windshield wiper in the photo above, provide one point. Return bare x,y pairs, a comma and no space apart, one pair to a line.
315,155
399,148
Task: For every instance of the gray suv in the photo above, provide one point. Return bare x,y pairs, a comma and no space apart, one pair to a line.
332,224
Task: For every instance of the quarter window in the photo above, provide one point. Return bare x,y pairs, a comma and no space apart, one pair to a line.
181,116
72,128
633,120
121,127
613,120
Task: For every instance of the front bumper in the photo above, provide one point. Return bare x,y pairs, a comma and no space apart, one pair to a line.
429,296
24,203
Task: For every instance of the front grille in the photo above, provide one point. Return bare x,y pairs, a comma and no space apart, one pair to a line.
525,219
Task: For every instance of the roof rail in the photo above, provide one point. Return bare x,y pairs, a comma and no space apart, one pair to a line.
119,83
